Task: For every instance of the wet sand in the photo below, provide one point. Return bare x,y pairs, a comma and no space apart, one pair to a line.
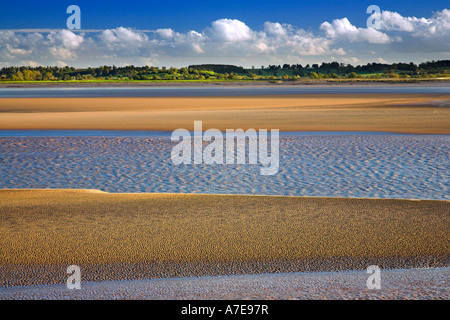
401,284
402,113
141,236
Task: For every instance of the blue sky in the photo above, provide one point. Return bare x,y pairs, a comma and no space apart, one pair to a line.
238,32
187,15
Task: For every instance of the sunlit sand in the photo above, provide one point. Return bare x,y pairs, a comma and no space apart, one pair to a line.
138,236
344,112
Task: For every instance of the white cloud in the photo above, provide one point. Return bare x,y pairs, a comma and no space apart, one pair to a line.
17,51
60,63
285,39
262,47
62,53
165,33
196,47
342,29
351,60
394,21
230,30
276,29
437,25
232,41
122,36
414,34
65,38
339,51
30,63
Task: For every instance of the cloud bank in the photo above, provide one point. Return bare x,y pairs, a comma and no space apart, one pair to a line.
232,41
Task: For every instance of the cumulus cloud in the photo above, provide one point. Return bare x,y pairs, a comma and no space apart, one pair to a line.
287,40
438,24
65,38
165,33
394,21
62,53
230,40
17,51
276,29
339,51
230,30
123,37
418,34
342,29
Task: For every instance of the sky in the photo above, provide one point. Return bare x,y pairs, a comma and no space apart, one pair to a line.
243,33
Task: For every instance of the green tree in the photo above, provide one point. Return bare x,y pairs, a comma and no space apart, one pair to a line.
28,75
48,76
18,76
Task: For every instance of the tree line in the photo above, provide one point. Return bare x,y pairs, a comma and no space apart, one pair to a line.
332,70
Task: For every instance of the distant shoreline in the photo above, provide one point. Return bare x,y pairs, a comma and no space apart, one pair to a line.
187,83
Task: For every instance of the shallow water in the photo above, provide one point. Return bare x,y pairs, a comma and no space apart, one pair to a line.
213,91
332,165
414,284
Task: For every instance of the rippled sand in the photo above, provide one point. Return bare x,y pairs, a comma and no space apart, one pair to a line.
367,166
395,284
141,236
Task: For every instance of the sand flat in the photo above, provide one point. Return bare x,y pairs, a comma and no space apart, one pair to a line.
138,236
325,112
